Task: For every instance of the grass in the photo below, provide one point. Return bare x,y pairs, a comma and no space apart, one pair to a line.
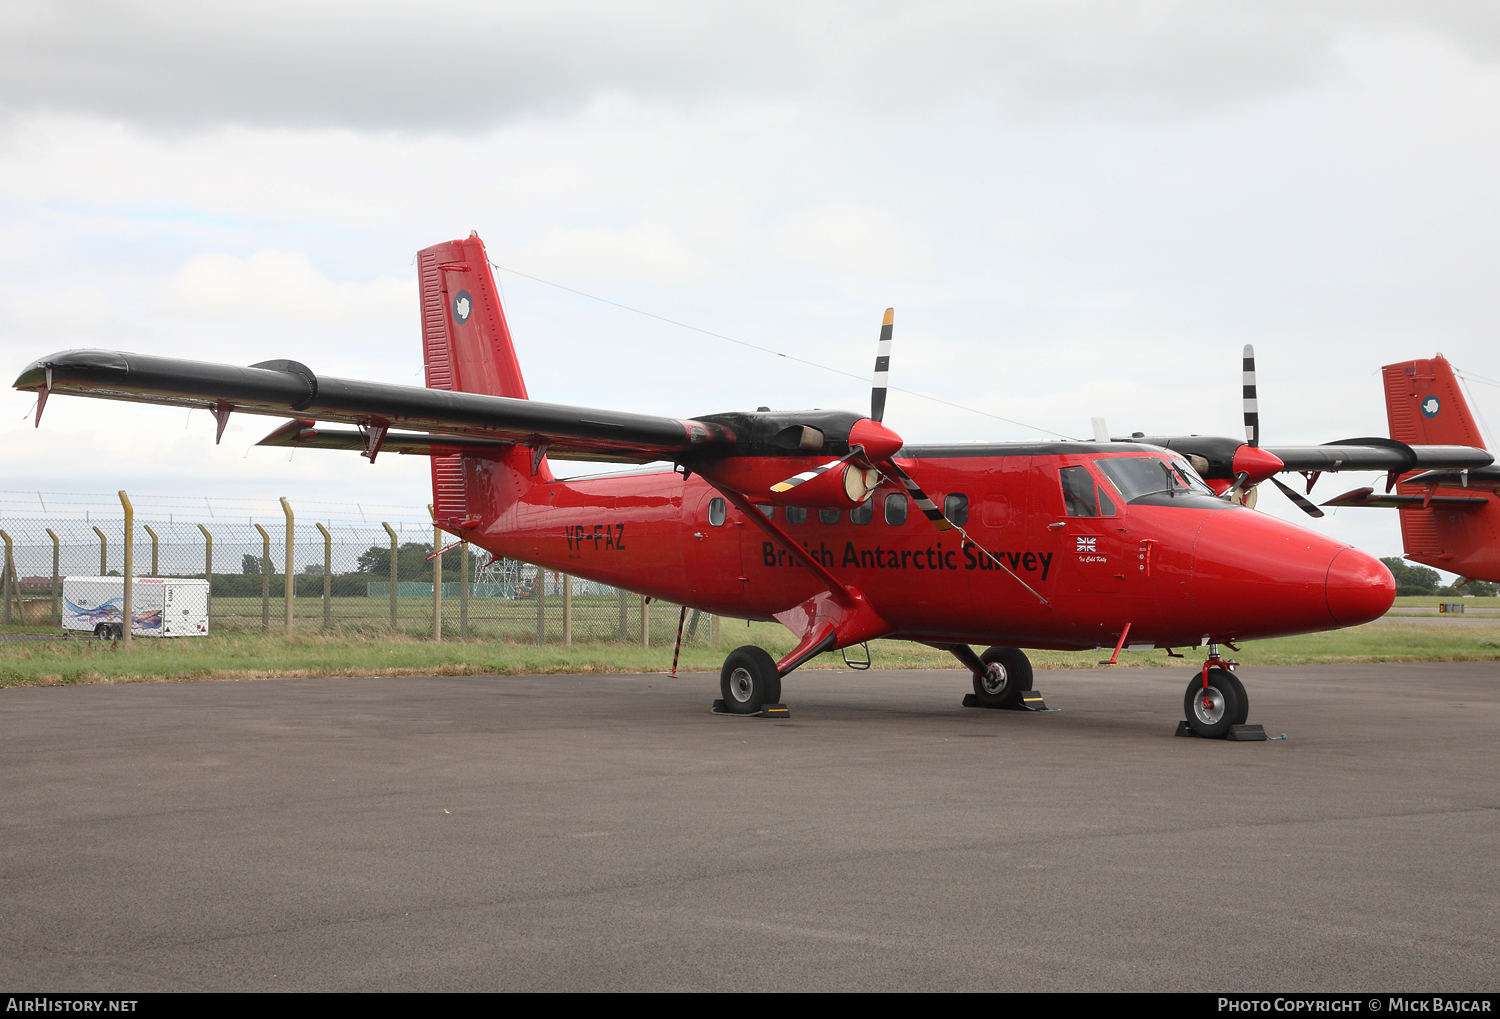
231,655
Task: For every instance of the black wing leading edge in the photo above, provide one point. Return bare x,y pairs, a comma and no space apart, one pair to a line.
452,420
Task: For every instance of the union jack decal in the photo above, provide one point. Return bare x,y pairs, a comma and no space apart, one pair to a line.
1087,545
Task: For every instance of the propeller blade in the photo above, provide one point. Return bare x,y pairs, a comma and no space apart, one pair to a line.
882,367
1302,504
918,496
1252,409
805,476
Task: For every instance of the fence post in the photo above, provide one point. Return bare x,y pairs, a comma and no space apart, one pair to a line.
127,608
463,593
103,547
541,605
624,638
56,585
5,591
208,572
327,576
392,533
713,629
290,592
567,582
265,580
153,548
645,621
437,582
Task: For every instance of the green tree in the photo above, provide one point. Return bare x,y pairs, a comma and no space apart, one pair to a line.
411,561
1478,588
1411,579
250,564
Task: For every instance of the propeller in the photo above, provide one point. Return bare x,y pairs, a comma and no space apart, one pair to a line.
1250,460
872,454
872,446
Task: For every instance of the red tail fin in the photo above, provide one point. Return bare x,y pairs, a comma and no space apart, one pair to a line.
1425,406
466,347
464,336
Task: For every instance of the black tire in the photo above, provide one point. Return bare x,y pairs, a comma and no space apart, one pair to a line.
1212,713
1008,675
119,631
749,680
104,631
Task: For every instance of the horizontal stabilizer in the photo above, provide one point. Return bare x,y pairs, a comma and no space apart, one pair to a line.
1367,497
289,389
1482,479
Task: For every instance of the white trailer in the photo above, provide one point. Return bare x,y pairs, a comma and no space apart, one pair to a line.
159,606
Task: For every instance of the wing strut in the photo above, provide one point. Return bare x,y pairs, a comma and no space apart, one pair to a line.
833,618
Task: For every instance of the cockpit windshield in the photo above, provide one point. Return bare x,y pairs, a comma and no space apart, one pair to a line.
1138,476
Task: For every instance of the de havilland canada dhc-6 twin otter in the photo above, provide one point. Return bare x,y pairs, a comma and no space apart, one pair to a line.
805,517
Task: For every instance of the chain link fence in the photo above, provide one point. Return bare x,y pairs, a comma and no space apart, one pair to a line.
346,576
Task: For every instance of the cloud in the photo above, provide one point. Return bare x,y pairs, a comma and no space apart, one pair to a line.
463,65
277,285
845,238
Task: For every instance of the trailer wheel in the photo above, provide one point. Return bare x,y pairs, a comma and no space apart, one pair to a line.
104,631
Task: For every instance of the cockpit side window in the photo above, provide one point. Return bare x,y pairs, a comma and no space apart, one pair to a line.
1079,492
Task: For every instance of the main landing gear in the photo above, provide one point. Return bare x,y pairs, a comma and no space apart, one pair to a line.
1007,674
1215,700
1002,678
750,682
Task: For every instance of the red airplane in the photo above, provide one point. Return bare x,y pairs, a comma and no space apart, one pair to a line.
1450,518
804,517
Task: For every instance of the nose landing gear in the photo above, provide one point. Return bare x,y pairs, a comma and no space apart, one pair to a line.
1215,701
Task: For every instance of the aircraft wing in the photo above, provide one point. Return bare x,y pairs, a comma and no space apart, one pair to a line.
1377,454
1215,455
290,389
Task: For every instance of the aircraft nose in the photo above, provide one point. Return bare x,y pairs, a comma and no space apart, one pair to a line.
1359,587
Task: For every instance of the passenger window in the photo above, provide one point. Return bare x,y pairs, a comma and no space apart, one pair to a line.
796,515
956,508
1079,492
895,509
769,512
863,513
716,512
828,516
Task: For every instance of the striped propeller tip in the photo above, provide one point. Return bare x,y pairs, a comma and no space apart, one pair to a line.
890,317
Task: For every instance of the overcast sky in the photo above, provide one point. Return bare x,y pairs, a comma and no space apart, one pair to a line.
1077,209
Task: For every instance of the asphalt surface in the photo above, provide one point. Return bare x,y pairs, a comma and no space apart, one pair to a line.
609,833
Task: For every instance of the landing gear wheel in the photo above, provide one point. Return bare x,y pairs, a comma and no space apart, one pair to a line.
1007,675
749,680
1211,712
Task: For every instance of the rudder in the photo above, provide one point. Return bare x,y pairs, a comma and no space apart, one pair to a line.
467,348
1425,406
